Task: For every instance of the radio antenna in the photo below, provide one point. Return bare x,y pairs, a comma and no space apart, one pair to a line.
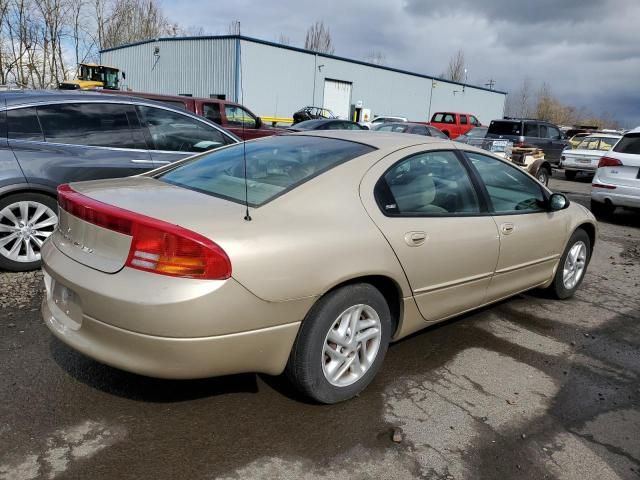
247,215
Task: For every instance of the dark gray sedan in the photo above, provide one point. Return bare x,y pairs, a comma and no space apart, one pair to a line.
48,138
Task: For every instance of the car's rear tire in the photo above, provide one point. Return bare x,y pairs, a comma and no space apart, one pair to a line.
26,220
341,344
573,265
570,174
602,210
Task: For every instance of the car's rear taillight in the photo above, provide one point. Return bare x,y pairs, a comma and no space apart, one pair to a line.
606,187
609,162
156,246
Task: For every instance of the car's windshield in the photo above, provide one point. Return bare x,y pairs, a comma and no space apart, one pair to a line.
309,124
630,143
274,166
597,143
476,132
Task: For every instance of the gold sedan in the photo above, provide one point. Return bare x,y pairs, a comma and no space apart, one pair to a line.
305,254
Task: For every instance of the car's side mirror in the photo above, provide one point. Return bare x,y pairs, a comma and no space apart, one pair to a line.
258,122
558,201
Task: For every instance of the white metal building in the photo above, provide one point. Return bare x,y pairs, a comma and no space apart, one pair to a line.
275,80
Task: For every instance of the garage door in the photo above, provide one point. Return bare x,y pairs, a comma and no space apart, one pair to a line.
337,97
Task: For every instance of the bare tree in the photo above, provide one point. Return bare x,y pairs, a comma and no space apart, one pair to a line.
318,39
376,57
130,21
456,69
284,39
234,28
519,103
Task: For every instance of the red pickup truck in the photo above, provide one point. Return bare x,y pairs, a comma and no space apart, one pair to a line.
228,115
454,124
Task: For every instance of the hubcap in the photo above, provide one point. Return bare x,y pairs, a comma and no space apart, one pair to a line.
24,226
574,265
351,346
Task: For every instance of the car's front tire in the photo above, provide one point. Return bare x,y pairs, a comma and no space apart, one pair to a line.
573,265
341,344
26,221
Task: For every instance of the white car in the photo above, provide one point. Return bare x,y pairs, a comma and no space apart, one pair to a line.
587,154
382,119
617,180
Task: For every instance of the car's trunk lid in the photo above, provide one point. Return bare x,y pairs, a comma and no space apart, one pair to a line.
107,250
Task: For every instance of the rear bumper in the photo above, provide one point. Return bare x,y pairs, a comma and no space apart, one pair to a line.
164,326
265,350
621,196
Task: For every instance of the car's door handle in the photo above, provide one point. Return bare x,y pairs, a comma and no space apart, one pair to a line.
507,228
138,160
415,239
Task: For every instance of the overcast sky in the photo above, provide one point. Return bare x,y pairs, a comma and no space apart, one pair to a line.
587,50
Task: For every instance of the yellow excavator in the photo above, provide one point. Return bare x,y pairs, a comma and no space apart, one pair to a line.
92,76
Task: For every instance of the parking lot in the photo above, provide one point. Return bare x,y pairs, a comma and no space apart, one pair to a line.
528,388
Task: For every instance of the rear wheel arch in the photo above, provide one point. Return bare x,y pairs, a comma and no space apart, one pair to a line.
388,287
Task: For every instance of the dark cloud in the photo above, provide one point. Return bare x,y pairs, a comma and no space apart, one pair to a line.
586,50
525,11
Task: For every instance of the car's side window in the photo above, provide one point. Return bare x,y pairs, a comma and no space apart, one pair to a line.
22,124
212,112
531,130
553,133
449,118
420,130
239,116
463,119
510,189
475,121
91,124
427,184
172,131
544,132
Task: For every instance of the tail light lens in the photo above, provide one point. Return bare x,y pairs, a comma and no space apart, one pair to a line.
156,246
609,162
606,187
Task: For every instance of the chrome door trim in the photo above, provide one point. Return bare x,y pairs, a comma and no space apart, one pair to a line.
528,264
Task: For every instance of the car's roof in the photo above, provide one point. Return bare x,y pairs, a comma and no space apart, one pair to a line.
161,96
21,97
604,135
376,139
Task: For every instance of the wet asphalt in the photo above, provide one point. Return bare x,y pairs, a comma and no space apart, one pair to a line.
529,388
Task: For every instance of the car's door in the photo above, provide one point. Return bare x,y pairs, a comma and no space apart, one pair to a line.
531,237
64,142
172,135
557,143
241,122
424,203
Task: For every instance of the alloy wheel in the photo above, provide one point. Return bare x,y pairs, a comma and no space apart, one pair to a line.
24,226
574,265
351,345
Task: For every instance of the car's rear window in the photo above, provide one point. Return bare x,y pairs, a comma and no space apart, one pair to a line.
274,166
630,143
499,127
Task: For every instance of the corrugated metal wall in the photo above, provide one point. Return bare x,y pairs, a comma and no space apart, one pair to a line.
278,81
199,67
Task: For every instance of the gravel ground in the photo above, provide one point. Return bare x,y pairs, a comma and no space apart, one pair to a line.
20,290
529,388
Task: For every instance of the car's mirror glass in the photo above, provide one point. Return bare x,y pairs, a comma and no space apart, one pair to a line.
558,201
